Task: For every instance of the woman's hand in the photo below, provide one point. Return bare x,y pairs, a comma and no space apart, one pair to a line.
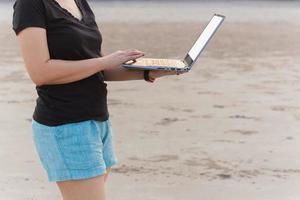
116,59
159,73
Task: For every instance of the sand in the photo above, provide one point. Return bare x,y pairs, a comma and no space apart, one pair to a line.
226,130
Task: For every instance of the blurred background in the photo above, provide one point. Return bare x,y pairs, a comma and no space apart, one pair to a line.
228,129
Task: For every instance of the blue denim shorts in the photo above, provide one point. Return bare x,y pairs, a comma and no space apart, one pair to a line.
75,150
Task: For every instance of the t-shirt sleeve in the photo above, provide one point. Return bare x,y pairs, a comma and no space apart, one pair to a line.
28,13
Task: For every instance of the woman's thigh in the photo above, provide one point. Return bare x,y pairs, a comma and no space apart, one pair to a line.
106,174
87,189
73,190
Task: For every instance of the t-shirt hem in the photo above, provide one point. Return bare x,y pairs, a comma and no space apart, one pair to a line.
52,123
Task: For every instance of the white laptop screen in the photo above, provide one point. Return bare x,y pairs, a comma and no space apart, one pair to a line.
205,36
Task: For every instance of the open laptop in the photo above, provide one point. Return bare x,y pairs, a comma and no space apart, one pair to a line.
189,60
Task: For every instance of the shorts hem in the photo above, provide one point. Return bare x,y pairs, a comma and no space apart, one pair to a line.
111,163
63,175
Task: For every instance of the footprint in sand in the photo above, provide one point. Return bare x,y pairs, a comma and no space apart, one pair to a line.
192,163
249,173
11,101
163,158
169,108
224,176
243,132
114,102
159,158
202,116
188,110
209,93
125,169
278,108
284,108
289,138
117,102
207,116
225,141
219,106
168,120
244,117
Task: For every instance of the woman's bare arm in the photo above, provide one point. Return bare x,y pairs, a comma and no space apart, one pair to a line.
123,74
43,70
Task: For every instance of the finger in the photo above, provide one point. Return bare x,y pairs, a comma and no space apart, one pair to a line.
133,57
133,52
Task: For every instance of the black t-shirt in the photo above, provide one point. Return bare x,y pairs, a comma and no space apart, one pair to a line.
68,38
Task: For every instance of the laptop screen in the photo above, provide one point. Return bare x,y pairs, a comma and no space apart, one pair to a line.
204,38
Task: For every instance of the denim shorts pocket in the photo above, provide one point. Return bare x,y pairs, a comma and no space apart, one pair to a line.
79,146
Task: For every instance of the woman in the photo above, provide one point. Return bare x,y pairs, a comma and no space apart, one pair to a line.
61,46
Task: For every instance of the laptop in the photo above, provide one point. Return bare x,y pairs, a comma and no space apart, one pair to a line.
190,58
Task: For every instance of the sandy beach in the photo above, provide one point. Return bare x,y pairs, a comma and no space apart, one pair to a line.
227,130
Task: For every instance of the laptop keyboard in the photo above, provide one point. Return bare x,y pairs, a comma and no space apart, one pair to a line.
160,62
